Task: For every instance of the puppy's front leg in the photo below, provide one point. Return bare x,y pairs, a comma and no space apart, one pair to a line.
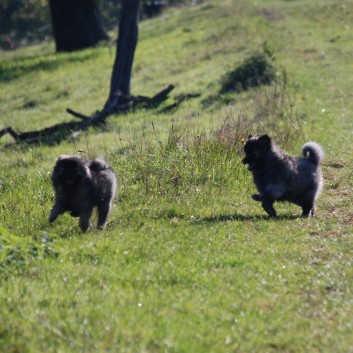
268,207
85,215
257,197
271,194
57,210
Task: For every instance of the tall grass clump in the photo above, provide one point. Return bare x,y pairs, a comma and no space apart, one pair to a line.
269,110
187,161
258,69
181,164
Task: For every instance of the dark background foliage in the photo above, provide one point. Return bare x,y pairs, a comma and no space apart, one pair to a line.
28,21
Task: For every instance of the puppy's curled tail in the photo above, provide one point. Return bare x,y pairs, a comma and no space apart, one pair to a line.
98,164
313,152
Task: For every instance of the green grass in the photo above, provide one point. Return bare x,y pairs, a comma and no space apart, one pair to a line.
188,262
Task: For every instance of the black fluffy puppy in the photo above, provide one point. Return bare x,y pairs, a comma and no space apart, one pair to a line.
80,186
279,177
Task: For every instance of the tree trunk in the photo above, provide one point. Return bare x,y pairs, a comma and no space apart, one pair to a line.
76,24
126,45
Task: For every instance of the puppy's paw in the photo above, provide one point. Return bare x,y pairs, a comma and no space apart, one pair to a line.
53,215
256,197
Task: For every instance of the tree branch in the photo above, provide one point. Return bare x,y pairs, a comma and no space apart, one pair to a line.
179,101
77,115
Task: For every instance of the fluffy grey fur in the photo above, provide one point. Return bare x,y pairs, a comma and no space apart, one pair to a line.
279,177
80,186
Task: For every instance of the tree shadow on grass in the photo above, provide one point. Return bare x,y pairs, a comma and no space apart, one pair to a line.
20,67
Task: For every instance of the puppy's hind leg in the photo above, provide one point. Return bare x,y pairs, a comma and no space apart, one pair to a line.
308,209
308,204
103,211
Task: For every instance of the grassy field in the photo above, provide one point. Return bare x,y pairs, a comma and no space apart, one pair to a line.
188,262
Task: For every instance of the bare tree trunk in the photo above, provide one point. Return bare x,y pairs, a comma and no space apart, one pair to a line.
76,24
125,51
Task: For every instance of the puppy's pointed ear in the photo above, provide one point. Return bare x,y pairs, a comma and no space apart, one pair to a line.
265,141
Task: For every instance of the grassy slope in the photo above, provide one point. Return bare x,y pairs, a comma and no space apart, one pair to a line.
195,268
